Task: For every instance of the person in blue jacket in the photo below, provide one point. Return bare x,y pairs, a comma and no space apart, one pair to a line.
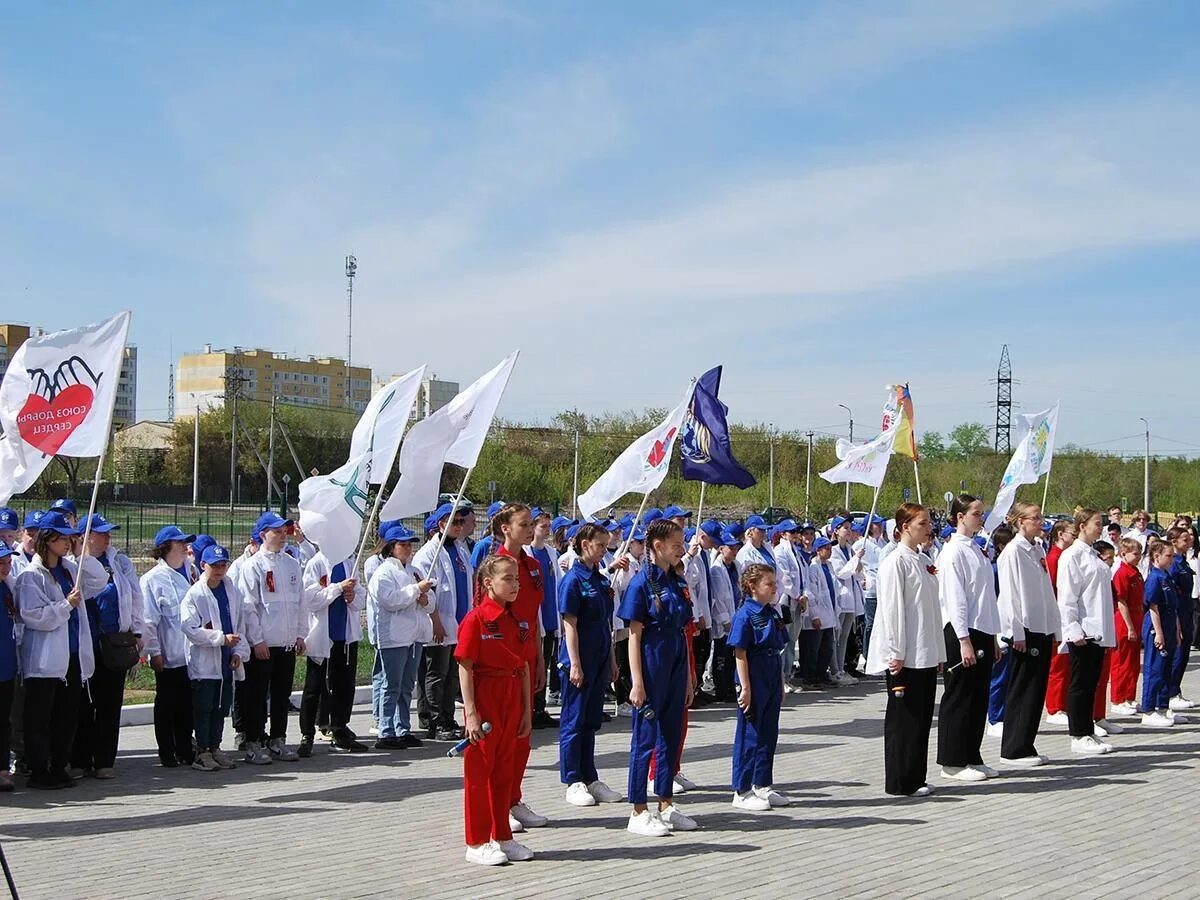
758,637
1181,573
1161,634
483,546
657,609
9,617
588,666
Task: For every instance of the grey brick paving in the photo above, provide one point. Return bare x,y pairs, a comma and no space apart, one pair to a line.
380,825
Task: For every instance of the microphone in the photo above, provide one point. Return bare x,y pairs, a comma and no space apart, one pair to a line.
958,665
1032,651
459,748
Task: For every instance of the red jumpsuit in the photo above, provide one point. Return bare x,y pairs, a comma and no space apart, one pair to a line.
490,637
527,610
1129,587
1060,663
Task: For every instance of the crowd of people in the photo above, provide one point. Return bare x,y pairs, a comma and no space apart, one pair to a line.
652,614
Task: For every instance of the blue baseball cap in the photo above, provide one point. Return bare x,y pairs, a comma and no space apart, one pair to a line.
786,525
32,518
822,541
653,514
55,521
838,522
100,525
807,526
536,512
384,526
201,543
573,530
755,521
5,550
858,526
626,520
1047,527
9,520
712,528
946,532
172,533
495,507
676,512
560,522
214,553
270,520
63,505
442,512
609,525
688,534
399,533
629,534
731,535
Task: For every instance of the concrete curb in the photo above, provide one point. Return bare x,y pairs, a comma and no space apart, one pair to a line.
143,713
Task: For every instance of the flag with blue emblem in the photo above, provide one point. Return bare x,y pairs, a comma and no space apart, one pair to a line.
704,445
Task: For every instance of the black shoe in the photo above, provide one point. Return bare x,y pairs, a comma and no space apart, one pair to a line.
304,751
450,734
544,720
63,777
348,744
43,781
411,741
607,717
325,731
169,762
292,707
20,767
390,743
239,741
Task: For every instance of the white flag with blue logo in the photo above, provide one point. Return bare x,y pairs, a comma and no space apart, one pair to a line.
1030,461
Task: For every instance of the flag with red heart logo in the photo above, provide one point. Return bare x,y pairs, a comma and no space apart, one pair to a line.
643,465
57,398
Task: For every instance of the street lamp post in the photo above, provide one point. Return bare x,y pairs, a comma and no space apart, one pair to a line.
808,476
195,450
1146,470
771,478
851,415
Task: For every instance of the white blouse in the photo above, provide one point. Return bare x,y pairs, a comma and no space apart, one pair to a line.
908,620
1085,597
1027,601
967,588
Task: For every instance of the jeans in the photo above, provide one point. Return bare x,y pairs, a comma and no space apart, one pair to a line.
211,699
399,666
377,688
841,640
871,603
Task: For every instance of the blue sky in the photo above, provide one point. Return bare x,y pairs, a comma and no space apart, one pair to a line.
825,197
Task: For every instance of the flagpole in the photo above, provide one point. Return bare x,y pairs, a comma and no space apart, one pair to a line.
1046,490
632,528
700,508
457,500
917,475
370,518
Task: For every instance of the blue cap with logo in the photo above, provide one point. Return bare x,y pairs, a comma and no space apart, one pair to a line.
63,505
653,514
5,550
822,541
271,520
495,507
214,553
55,521
99,525
201,543
755,521
399,533
560,522
442,512
32,519
837,522
712,528
676,512
9,521
731,535
384,525
172,533
786,525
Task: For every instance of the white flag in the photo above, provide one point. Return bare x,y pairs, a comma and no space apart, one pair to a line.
457,428
57,398
863,463
1030,461
643,465
333,507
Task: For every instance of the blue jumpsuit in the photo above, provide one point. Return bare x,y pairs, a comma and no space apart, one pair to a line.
587,595
1157,682
760,631
1181,574
659,600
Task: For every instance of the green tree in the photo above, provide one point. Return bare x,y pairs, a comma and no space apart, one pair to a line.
931,446
967,440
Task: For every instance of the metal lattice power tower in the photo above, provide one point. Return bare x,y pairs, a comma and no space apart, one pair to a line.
1004,403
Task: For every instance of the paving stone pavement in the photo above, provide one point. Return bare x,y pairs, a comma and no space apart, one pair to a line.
389,825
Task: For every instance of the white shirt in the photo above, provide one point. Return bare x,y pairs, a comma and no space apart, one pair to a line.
399,621
872,557
967,588
694,575
1085,597
821,603
908,619
1026,601
848,578
723,601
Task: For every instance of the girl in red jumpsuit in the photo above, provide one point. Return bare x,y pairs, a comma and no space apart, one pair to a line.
493,671
1062,535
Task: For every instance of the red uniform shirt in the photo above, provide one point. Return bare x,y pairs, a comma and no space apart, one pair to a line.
1052,566
490,637
1130,588
527,607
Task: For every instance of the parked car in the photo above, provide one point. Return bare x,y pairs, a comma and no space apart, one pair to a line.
774,514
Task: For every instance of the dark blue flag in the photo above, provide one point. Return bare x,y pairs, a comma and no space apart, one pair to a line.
704,444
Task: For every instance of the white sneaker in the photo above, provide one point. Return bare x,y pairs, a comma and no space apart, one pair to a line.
962,773
374,729
1123,710
987,770
861,663
1180,703
1104,728
772,796
282,751
516,852
514,824
624,711
602,793
924,790
488,854
1089,745
750,802
204,762
527,816
677,821
1024,762
1058,718
683,783
1157,719
995,729
257,754
579,795
647,824
222,760
845,678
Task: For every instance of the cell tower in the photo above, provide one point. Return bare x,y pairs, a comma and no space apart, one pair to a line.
351,270
1004,382
171,394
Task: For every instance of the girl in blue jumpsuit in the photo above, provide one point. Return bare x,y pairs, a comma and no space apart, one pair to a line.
657,609
757,636
1160,634
585,659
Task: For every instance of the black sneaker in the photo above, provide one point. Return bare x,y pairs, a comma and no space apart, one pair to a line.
390,743
168,762
20,767
544,720
450,734
345,741
63,777
43,781
411,741
304,751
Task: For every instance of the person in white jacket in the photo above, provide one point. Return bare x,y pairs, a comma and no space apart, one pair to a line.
336,600
115,609
817,637
850,603
398,605
163,589
276,625
9,662
755,548
1085,605
56,652
212,619
697,572
723,604
789,580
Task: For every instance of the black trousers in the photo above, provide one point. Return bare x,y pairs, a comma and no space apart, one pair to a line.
906,727
550,660
701,649
816,654
173,715
962,716
624,683
269,677
331,682
99,727
854,645
1086,662
722,670
16,719
51,715
437,676
1025,696
239,703
7,689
